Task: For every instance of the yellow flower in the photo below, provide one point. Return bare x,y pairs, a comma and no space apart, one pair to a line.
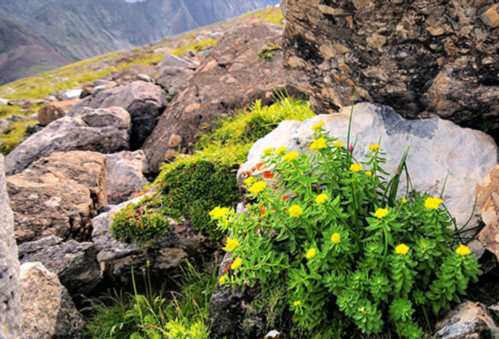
432,203
374,147
281,150
463,250
369,173
311,253
219,212
321,198
257,187
231,244
296,303
236,264
339,144
293,155
381,213
268,151
249,181
222,280
356,168
403,201
336,238
318,144
318,126
295,211
402,249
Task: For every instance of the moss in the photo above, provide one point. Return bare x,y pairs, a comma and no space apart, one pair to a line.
140,223
267,53
194,46
192,190
271,15
15,135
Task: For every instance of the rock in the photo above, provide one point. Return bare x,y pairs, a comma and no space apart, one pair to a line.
116,258
468,320
488,205
58,195
144,77
225,81
75,263
439,151
71,94
143,100
420,57
47,308
10,308
125,175
100,130
54,111
4,102
174,74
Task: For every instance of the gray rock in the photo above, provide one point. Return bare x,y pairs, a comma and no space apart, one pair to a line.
75,263
143,100
125,175
439,150
102,130
47,308
10,308
466,321
117,258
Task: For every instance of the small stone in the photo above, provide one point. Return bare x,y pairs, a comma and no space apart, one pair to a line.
174,140
491,16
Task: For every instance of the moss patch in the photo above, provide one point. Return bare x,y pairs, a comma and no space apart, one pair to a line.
271,15
15,135
194,46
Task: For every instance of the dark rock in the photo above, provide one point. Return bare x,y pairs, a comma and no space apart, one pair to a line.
58,195
419,57
10,307
75,263
231,77
143,100
54,111
101,130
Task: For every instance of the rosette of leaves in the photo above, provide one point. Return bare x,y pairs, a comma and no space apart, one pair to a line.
333,230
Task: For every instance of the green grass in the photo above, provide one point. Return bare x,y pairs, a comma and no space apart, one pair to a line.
194,46
15,135
271,15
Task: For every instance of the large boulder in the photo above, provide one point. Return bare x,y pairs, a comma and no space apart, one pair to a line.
54,111
125,175
58,195
47,308
174,73
468,320
440,152
10,310
101,130
143,100
419,57
116,258
232,76
75,263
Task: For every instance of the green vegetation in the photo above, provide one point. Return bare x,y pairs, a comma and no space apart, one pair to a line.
15,135
140,223
181,315
353,255
267,53
271,15
194,46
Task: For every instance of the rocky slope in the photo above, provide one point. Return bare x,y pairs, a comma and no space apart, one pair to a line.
36,36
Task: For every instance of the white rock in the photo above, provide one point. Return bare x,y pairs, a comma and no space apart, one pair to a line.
72,94
439,150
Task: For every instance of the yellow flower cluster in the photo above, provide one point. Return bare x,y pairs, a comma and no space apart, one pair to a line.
231,244
318,126
223,279
463,250
258,187
402,249
281,150
219,212
381,213
291,156
295,211
336,238
296,303
339,144
322,198
236,264
432,203
249,181
356,168
268,151
374,147
318,144
311,253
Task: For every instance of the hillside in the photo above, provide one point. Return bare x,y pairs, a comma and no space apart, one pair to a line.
37,36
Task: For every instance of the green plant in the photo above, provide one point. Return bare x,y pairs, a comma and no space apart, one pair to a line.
14,135
140,222
331,229
267,53
192,190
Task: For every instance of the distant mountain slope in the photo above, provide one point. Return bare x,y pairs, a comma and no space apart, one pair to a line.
39,35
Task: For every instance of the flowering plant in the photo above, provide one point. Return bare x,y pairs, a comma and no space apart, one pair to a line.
333,230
